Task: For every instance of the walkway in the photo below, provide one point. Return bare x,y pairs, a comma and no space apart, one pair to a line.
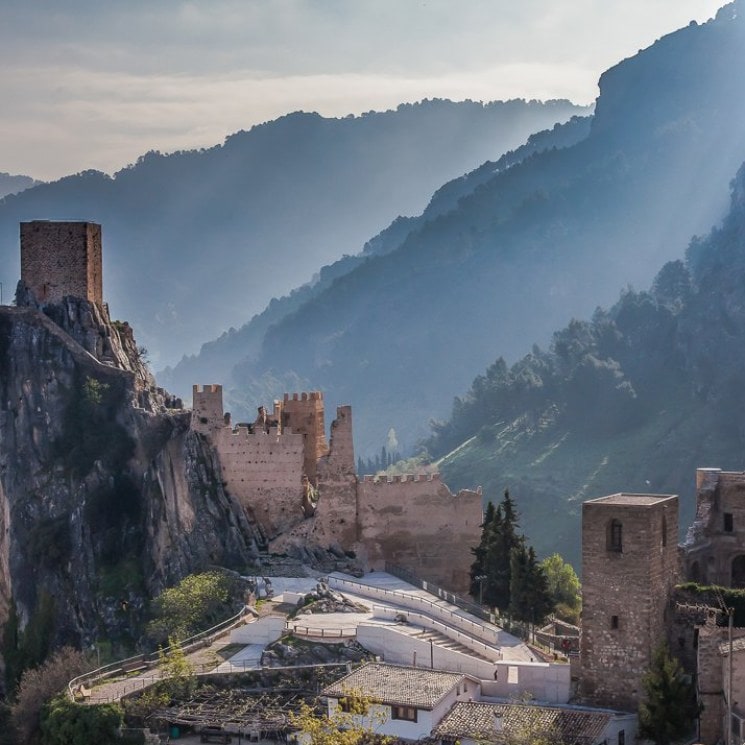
323,627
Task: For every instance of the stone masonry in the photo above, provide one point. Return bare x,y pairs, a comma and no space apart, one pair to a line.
715,542
413,521
61,259
629,566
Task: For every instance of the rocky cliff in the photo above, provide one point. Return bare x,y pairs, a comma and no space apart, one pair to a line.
105,495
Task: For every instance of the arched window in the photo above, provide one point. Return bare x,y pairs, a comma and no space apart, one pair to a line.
614,536
738,571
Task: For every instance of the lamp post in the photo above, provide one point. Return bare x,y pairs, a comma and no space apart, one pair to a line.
480,579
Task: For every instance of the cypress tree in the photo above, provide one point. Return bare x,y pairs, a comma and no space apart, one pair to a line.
479,552
669,707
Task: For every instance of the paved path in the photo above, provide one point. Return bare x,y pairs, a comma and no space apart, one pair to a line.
315,626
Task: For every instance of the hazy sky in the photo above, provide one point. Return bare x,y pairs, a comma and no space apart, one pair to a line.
92,84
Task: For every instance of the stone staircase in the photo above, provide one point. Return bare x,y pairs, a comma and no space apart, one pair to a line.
439,640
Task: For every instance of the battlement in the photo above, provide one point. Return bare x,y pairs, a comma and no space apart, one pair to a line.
61,259
401,478
709,478
311,396
207,389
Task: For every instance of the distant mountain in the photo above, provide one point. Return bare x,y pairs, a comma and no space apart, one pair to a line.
10,184
633,400
532,245
230,357
198,241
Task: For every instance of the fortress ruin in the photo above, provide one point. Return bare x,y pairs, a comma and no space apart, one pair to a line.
412,521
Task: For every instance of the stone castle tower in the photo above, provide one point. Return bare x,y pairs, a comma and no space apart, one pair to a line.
629,566
60,259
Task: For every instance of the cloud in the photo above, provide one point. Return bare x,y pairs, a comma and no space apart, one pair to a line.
91,84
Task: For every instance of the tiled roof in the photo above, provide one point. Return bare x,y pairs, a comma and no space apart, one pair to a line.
396,684
477,720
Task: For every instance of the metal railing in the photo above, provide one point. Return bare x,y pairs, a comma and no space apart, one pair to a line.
151,660
466,605
405,599
343,632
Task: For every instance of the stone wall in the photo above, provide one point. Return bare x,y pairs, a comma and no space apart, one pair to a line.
263,471
629,567
418,523
304,413
60,259
412,521
714,543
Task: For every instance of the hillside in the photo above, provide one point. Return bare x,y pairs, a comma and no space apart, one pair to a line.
200,241
10,184
633,400
533,245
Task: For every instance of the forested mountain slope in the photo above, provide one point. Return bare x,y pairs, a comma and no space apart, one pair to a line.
230,357
633,400
199,241
533,245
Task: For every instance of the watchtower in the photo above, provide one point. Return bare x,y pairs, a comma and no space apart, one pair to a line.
304,414
207,409
60,259
629,567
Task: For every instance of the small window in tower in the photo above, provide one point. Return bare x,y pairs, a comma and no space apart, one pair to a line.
614,622
664,531
728,522
614,537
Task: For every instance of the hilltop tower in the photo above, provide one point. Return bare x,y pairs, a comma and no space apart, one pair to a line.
207,413
304,414
629,567
60,259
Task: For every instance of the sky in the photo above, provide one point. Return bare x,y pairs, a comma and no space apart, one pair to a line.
90,84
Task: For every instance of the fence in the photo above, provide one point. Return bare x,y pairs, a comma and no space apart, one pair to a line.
151,660
477,630
473,608
344,632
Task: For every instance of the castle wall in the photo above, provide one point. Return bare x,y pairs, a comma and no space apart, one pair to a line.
304,413
60,259
417,523
207,409
714,552
626,585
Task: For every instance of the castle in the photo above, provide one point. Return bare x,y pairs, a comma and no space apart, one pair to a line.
300,490
412,521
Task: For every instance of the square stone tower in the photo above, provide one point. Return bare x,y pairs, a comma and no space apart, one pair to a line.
629,566
60,259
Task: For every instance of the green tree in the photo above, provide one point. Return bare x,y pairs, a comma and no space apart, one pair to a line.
64,722
479,552
197,602
669,707
564,588
345,727
501,539
530,600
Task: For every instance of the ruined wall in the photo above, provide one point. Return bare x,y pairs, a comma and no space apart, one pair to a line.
627,579
263,471
419,524
59,259
714,543
304,413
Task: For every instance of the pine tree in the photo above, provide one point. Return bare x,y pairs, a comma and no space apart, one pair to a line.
477,568
503,537
669,707
530,599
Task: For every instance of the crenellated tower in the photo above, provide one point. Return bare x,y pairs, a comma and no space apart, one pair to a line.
303,413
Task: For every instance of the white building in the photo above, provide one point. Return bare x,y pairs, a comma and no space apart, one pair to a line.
406,702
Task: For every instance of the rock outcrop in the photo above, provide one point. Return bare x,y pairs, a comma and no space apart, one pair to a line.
106,496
